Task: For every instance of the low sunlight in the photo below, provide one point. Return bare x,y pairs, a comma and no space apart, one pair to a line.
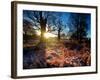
47,34
38,33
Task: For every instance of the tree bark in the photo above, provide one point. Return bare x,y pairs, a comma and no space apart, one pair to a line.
59,30
43,26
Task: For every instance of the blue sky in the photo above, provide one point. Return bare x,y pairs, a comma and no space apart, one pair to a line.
64,17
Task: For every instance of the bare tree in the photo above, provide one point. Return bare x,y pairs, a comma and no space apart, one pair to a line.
42,19
78,25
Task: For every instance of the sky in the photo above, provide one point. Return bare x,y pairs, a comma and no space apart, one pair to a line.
64,18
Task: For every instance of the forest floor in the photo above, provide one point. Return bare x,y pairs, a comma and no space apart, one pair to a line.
54,53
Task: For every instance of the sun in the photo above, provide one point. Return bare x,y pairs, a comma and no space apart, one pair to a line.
46,34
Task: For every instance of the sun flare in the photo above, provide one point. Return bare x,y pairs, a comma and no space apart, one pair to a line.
46,34
38,33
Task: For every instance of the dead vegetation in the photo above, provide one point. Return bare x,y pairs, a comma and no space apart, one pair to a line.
53,53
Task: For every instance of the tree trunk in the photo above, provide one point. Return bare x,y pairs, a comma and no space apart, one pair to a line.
59,30
43,26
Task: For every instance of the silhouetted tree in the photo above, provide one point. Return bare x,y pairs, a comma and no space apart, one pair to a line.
58,24
60,28
43,19
43,23
78,25
40,20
